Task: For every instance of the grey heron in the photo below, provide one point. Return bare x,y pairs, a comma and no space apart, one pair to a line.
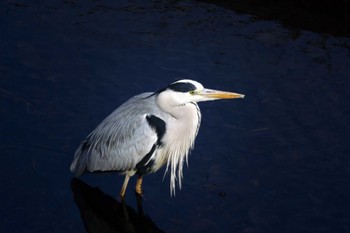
145,133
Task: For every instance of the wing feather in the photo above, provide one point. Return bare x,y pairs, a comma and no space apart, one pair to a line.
121,140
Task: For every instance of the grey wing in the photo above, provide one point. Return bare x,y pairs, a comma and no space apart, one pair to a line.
120,141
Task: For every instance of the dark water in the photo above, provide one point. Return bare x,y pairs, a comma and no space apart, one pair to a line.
276,161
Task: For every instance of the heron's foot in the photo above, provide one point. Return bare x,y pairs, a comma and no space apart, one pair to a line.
122,194
121,198
139,203
138,187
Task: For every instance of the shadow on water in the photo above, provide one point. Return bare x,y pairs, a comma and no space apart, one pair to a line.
103,213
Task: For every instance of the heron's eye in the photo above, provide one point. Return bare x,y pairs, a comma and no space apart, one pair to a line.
192,92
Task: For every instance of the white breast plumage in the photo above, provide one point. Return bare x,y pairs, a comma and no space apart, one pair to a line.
178,144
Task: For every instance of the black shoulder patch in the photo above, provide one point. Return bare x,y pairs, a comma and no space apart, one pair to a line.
182,87
158,125
146,162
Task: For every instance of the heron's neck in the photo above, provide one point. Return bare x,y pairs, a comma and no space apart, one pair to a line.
185,120
167,103
178,111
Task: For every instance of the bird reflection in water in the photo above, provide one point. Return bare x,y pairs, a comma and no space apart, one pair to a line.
103,213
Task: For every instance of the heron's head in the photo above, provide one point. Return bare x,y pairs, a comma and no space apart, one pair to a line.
187,91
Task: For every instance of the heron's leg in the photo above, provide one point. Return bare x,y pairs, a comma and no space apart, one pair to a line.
139,204
138,187
125,184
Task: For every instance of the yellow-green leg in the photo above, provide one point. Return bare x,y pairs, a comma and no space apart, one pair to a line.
138,187
125,184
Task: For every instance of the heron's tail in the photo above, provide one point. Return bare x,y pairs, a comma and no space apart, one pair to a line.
79,163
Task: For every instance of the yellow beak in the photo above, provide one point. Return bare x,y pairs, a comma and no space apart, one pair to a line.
215,94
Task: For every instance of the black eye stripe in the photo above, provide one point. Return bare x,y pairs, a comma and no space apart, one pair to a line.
182,87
